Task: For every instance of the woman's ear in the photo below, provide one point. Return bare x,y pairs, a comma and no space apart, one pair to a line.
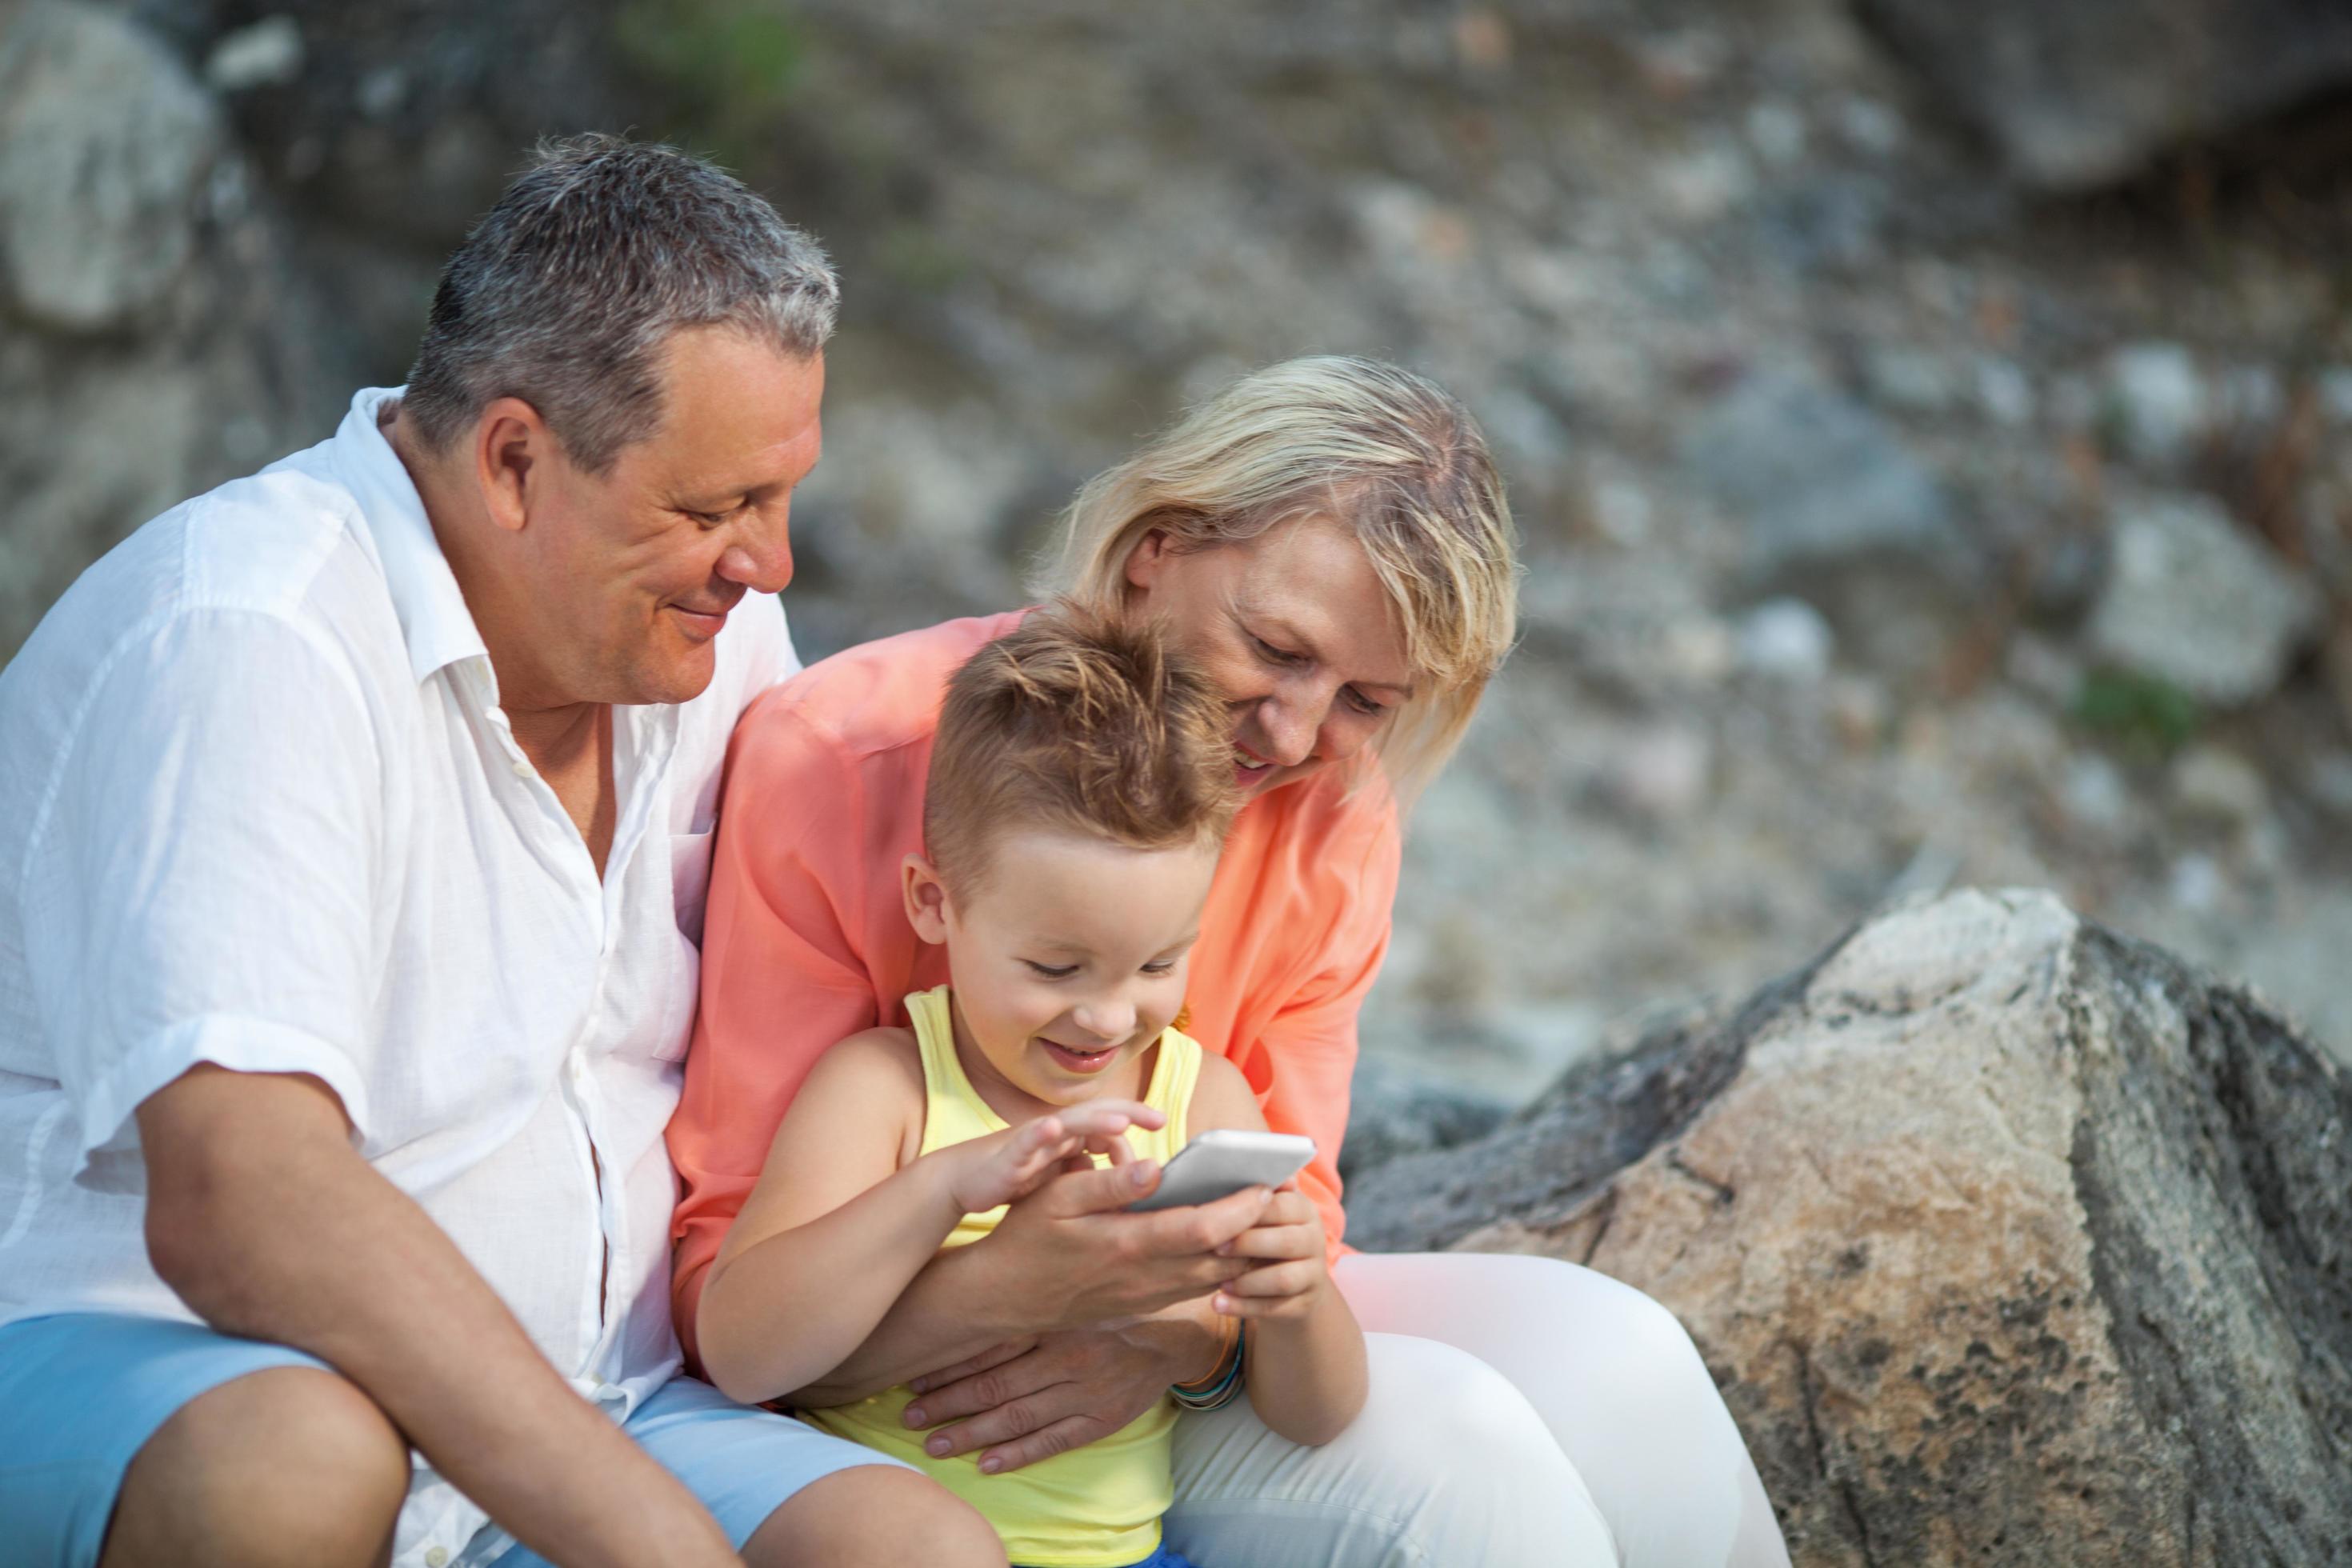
927,898
1146,558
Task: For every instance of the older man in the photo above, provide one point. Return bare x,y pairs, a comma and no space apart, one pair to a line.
354,826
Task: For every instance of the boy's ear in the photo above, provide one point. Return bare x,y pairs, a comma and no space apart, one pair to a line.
927,898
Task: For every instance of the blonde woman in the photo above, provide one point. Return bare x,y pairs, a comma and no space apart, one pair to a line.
1328,540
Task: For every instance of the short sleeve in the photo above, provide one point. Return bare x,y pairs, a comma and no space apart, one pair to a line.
1307,1052
201,880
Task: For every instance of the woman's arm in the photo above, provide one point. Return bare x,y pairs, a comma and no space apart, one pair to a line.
1304,1359
783,974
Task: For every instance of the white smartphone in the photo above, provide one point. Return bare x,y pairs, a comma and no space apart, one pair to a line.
1223,1161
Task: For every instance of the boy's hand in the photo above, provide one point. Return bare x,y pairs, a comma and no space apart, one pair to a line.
1297,1272
1014,1163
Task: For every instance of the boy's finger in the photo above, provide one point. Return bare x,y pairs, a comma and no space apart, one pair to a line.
1275,1241
1274,1281
1105,1116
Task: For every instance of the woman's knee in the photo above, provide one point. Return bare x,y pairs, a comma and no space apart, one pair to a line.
294,1465
1432,1398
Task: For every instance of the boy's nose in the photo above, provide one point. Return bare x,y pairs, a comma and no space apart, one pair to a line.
1111,1019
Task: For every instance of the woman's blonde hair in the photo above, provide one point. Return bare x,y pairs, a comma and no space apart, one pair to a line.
1386,455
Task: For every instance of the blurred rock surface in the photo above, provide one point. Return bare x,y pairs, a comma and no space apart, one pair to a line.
1617,233
2082,92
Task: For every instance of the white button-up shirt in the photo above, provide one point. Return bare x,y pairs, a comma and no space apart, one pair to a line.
259,807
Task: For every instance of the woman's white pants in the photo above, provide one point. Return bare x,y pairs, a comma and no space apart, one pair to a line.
1523,1412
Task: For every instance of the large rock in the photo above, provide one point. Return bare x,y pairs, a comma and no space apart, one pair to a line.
2009,1239
2083,92
155,339
106,141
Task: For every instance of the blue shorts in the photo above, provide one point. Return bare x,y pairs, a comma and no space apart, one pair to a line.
1166,1557
80,1394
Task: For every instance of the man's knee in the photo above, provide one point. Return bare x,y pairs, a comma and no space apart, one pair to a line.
293,1465
876,1515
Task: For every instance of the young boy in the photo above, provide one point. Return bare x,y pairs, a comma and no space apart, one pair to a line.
1080,786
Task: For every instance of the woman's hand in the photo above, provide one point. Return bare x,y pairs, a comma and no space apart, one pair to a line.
1014,1163
1291,1268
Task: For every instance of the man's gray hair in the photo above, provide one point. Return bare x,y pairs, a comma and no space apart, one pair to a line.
565,292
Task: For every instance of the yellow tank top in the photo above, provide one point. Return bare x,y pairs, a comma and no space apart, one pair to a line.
1096,1507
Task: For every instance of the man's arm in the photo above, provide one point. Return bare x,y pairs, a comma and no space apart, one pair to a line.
269,1225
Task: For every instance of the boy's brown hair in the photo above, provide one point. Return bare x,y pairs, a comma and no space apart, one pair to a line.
1074,721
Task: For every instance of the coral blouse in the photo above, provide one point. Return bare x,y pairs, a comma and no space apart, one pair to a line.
805,941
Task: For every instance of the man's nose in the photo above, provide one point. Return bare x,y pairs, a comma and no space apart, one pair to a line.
759,555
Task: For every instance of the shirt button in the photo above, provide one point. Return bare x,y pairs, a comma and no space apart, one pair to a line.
438,1557
522,768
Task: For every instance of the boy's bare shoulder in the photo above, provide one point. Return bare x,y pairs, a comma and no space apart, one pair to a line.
873,1079
1222,1096
872,1061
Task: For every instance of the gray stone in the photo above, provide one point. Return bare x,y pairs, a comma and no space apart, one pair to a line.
1786,639
2196,883
2078,94
2096,799
2191,600
268,53
2158,400
1394,1111
2007,1238
1662,772
105,146
2335,385
2004,391
1911,380
2217,784
1816,479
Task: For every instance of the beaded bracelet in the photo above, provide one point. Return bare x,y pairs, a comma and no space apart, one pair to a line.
1224,1385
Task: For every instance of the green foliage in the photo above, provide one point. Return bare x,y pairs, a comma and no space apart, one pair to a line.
726,66
2142,712
915,256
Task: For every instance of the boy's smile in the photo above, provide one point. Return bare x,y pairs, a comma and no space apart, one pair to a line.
1067,962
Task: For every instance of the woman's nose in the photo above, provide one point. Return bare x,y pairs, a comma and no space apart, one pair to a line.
1287,726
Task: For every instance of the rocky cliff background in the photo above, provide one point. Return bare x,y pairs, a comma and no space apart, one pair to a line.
1931,425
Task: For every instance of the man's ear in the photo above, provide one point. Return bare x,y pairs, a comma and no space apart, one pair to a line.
512,450
927,898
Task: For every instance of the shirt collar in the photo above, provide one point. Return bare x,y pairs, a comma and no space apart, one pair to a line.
434,618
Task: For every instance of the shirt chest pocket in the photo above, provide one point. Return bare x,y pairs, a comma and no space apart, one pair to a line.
689,880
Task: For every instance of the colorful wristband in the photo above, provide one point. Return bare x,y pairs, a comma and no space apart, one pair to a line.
1224,1385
